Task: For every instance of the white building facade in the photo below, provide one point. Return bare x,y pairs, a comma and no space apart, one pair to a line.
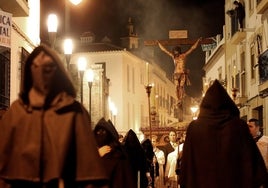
243,61
128,75
24,36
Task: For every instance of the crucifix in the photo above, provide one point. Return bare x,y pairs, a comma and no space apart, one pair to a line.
180,74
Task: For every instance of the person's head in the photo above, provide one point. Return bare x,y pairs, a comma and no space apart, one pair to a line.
254,127
176,51
148,149
154,140
235,2
217,104
44,72
183,136
172,136
103,134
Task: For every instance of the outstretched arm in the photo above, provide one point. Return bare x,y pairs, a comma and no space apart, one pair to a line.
164,49
193,46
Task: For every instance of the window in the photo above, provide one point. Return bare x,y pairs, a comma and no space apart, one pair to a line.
133,80
4,78
24,55
128,78
242,63
252,61
234,75
263,66
237,81
243,77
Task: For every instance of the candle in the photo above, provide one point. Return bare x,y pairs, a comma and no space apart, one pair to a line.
234,75
147,73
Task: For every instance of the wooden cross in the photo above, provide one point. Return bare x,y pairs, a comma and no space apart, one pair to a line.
175,42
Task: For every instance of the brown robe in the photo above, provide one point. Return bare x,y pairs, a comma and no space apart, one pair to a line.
40,145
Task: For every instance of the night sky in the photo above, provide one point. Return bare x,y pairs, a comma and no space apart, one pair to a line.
153,20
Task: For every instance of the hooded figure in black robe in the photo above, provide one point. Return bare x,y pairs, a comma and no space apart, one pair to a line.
219,151
114,158
151,165
45,136
137,158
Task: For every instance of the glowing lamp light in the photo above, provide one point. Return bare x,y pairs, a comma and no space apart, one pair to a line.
89,75
52,23
194,109
82,63
75,2
68,46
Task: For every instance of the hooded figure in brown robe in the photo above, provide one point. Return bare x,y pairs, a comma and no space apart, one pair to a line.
45,137
219,151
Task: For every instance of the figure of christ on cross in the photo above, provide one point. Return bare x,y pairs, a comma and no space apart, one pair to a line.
180,73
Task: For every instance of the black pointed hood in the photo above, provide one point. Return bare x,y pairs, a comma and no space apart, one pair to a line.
113,129
217,105
134,149
148,149
131,140
218,150
105,137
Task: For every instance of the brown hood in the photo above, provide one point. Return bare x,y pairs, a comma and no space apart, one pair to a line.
61,82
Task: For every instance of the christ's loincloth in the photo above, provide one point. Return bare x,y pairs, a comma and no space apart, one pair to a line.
181,79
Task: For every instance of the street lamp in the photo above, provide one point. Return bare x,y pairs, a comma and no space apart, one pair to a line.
82,63
68,50
75,2
148,91
52,25
89,77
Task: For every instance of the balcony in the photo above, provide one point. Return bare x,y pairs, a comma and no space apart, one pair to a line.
262,6
18,8
238,37
239,101
263,89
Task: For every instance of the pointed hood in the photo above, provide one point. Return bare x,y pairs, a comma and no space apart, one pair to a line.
134,150
61,81
105,133
148,149
131,140
217,105
218,150
113,129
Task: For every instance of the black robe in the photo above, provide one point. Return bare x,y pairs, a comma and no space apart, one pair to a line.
219,150
137,158
151,167
116,162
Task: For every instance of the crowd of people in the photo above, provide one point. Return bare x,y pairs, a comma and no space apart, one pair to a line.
46,141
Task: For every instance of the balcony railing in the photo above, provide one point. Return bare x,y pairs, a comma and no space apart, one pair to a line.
238,37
